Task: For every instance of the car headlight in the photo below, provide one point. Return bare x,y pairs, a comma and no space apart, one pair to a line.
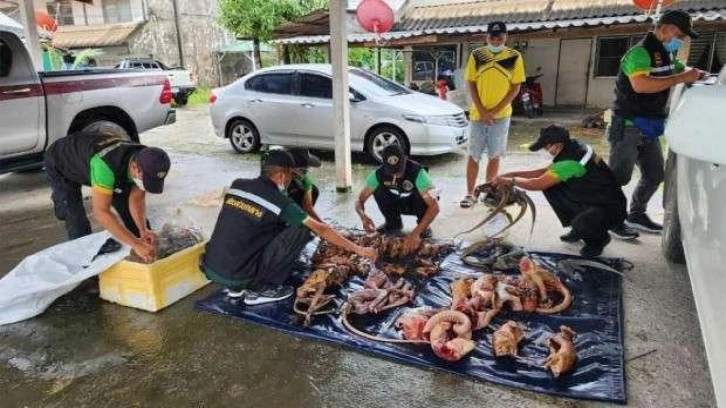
414,118
430,120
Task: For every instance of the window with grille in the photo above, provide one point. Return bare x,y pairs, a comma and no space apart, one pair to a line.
610,51
708,52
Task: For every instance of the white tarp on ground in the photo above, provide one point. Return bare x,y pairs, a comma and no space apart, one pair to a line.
43,277
8,24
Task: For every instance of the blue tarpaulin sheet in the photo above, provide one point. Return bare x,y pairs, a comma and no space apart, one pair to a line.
595,315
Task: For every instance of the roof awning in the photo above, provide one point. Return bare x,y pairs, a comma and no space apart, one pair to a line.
103,35
707,16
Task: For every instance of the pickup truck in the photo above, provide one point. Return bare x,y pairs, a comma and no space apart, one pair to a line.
182,84
36,109
694,227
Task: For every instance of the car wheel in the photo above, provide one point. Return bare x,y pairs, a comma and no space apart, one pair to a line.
243,136
384,136
107,127
671,243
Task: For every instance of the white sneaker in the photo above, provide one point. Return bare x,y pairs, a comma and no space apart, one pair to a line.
268,295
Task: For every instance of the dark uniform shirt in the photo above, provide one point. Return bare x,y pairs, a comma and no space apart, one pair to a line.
585,180
89,158
415,179
254,211
648,57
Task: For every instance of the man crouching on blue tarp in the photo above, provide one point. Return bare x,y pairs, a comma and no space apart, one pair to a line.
578,185
260,232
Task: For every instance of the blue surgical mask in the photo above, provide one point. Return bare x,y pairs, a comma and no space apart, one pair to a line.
673,45
495,48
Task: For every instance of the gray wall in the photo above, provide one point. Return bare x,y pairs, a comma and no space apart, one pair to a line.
201,37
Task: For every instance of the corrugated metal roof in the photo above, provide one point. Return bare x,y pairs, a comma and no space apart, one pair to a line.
707,15
461,13
104,35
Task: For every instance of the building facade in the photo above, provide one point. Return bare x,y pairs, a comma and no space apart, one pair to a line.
180,33
576,43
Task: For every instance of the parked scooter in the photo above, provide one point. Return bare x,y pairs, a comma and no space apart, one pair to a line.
529,100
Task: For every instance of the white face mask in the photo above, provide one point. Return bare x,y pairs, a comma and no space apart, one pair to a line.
139,183
281,187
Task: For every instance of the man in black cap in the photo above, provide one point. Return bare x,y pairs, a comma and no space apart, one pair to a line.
578,185
400,186
260,233
494,74
647,72
119,172
302,189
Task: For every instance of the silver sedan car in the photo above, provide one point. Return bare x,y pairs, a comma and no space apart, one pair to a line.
291,105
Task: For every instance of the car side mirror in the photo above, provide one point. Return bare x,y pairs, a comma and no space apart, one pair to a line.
352,97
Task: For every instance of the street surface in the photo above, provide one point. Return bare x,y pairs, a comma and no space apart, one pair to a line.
86,352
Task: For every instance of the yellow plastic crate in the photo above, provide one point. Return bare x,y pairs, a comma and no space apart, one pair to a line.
154,286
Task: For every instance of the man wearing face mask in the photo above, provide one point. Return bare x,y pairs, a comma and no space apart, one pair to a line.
579,186
647,72
494,74
119,172
260,233
400,186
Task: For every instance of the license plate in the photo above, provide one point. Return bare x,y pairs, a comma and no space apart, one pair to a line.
170,117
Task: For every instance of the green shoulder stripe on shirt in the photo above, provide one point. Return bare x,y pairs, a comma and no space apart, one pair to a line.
423,181
636,61
293,215
307,182
567,169
101,174
372,181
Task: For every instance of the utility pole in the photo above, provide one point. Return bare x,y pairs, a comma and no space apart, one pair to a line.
175,6
341,101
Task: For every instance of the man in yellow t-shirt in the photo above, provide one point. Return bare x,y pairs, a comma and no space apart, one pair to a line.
494,73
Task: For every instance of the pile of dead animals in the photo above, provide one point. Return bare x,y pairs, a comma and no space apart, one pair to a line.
333,266
475,302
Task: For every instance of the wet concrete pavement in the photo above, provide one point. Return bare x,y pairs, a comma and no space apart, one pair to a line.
86,352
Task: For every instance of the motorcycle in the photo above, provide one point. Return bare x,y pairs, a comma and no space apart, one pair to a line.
529,100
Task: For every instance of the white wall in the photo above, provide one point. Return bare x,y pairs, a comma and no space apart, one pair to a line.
543,53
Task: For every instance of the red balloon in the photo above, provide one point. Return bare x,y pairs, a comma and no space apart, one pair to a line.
374,16
650,5
45,21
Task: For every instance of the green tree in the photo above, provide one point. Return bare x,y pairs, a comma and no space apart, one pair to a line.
257,19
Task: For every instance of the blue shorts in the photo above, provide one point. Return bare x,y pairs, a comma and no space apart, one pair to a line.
491,139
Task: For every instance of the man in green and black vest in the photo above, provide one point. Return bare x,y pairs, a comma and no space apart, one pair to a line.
647,72
119,172
400,186
302,189
579,186
260,233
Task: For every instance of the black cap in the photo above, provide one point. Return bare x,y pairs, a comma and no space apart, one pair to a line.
680,19
279,158
550,135
496,29
303,158
394,160
154,164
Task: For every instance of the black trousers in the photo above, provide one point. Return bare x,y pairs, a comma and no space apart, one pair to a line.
629,147
591,222
393,206
68,203
277,259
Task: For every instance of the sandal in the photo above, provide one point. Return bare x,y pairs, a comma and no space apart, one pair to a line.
467,201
